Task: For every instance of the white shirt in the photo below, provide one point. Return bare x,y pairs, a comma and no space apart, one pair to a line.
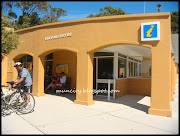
63,80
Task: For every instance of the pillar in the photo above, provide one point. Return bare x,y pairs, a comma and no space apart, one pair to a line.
84,84
38,76
4,70
172,78
161,79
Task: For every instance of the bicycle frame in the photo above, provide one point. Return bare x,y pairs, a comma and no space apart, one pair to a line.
17,100
17,92
14,97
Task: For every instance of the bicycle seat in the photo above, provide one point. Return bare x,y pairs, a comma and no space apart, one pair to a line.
12,82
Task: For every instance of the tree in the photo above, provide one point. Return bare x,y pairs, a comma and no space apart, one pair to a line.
9,40
175,22
30,13
108,11
52,15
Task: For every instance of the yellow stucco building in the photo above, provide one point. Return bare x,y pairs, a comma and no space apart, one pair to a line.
100,50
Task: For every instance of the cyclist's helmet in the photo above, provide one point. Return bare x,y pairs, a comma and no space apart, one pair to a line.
17,64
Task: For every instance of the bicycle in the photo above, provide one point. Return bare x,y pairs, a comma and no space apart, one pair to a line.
16,99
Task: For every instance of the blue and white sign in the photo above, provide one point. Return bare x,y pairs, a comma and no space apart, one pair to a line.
150,31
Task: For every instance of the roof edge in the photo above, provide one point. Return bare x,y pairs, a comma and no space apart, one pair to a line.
97,19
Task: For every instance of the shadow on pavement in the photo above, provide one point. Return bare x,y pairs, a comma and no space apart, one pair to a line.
128,100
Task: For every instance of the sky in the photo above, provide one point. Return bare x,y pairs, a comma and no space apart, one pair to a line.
79,10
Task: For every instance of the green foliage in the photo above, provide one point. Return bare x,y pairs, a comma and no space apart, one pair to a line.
9,40
175,22
30,13
108,11
52,15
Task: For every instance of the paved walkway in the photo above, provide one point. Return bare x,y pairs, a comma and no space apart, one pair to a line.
59,115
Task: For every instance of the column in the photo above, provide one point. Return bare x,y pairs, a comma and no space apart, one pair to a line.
38,76
4,70
84,84
172,78
161,79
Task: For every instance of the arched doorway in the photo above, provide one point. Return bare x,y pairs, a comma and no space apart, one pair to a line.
58,61
126,67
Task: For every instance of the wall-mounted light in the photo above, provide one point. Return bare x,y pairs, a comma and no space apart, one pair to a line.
159,7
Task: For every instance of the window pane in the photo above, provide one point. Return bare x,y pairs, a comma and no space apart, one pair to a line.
105,68
121,68
140,69
131,70
135,69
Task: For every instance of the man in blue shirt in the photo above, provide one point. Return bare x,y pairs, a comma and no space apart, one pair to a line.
23,78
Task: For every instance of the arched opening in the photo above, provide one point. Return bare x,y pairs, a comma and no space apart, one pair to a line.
55,62
125,69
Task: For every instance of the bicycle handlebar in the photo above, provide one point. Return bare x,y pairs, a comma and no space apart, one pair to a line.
18,86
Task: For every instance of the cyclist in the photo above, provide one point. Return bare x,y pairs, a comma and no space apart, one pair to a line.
25,79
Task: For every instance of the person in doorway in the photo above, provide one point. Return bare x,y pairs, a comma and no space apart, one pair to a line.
25,79
55,81
31,73
62,80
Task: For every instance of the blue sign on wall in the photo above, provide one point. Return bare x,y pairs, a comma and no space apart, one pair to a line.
150,31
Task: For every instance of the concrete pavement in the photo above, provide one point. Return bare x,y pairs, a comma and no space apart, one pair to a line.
59,115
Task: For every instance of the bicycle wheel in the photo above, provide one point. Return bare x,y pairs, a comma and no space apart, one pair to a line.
23,106
3,105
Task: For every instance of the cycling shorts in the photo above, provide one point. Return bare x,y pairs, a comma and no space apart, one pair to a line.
28,89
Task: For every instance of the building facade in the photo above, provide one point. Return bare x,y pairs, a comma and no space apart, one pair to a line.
95,51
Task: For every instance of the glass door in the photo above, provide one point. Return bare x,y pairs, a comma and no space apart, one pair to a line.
104,73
